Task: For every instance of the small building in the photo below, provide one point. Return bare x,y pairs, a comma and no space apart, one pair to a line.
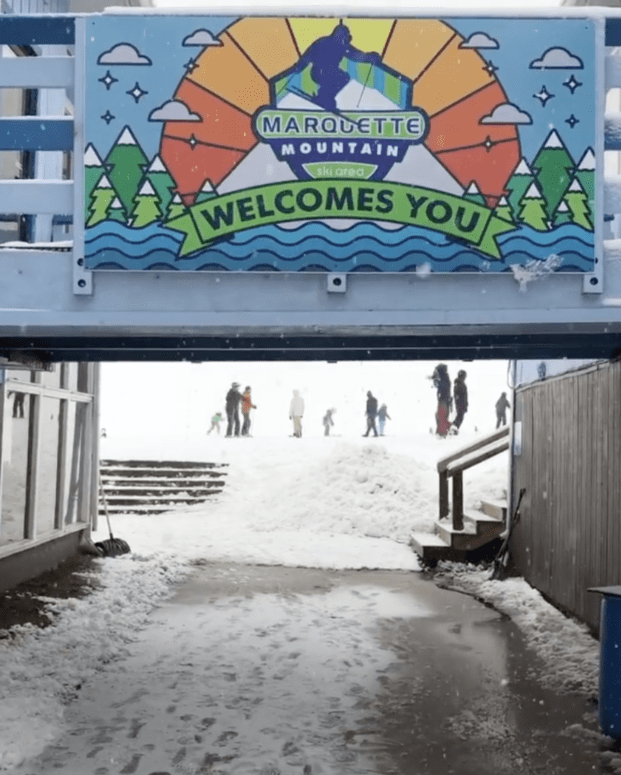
567,456
48,465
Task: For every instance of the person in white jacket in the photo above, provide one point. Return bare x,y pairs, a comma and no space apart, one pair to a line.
296,411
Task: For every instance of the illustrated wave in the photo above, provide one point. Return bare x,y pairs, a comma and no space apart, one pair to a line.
128,234
316,247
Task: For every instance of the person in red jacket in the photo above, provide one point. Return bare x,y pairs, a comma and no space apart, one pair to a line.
246,406
442,383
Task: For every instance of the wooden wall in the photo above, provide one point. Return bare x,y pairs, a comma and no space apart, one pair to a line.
569,535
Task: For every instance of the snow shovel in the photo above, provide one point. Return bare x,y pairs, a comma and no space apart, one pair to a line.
499,567
110,547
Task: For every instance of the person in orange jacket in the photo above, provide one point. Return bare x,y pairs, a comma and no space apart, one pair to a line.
246,406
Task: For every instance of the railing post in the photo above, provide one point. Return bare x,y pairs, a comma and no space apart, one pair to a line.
458,501
444,496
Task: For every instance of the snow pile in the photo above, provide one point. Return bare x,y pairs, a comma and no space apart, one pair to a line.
314,503
355,490
42,669
569,651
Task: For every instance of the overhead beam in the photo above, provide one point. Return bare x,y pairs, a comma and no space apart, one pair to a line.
300,348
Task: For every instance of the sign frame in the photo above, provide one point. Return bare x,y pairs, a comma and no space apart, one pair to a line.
254,200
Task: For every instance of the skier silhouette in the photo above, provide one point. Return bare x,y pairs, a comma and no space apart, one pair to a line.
325,56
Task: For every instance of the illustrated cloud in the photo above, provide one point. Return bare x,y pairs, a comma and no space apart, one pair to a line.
479,40
123,54
507,113
173,110
201,38
557,59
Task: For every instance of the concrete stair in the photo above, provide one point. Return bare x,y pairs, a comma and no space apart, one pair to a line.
445,543
150,487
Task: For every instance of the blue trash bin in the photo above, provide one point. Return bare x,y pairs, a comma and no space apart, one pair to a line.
610,661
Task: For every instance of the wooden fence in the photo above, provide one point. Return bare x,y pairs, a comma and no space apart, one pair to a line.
569,536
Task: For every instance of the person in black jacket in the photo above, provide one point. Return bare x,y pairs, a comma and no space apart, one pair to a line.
460,395
233,400
18,403
501,410
442,384
371,413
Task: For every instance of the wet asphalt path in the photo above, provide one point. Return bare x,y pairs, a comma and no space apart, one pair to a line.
282,671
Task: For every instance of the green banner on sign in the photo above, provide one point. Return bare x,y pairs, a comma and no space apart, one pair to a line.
364,200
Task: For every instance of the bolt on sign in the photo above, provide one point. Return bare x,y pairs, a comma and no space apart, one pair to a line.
339,144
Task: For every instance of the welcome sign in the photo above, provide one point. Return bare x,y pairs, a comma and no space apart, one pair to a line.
339,144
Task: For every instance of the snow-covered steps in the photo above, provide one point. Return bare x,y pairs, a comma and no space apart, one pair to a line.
430,547
446,543
496,509
150,486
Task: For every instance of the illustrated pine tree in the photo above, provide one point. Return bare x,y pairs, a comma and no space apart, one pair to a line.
161,180
518,184
586,177
146,208
116,212
554,169
503,210
174,209
126,162
562,215
94,170
533,211
578,202
101,200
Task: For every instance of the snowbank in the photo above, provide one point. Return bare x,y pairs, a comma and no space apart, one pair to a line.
42,669
566,646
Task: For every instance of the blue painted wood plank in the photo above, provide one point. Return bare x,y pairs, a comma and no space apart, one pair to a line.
613,32
37,30
33,133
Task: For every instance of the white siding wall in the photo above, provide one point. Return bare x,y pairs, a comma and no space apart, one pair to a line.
527,372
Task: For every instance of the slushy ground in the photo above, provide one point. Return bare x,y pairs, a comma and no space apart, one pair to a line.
251,670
